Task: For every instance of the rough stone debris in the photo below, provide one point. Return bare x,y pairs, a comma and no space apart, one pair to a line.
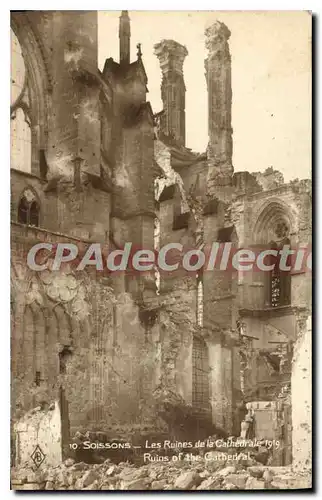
211,471
176,476
186,480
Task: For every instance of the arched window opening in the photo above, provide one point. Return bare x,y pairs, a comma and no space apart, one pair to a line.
34,214
18,69
20,133
272,231
199,300
279,282
23,209
28,209
20,130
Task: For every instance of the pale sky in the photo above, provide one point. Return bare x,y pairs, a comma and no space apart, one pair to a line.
271,79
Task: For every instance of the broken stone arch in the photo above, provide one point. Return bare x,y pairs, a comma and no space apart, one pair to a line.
275,227
37,85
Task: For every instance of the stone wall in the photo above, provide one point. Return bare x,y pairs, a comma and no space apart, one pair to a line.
83,331
302,396
271,421
69,329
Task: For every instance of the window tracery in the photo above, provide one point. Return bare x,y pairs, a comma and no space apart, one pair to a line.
200,374
279,281
20,124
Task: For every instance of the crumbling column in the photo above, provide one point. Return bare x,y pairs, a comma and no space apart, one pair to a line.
171,56
125,37
301,387
218,76
74,126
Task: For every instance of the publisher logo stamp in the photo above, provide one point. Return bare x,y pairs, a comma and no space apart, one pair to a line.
38,456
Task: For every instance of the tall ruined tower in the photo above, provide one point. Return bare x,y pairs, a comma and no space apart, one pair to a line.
131,133
171,55
218,76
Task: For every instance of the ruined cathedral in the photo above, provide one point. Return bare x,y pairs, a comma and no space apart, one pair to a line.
146,354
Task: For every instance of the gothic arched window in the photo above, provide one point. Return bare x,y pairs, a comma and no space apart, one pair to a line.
20,127
272,231
28,209
279,282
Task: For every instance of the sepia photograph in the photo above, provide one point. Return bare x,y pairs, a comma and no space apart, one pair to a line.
161,250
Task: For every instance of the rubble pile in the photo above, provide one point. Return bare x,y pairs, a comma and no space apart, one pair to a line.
179,475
